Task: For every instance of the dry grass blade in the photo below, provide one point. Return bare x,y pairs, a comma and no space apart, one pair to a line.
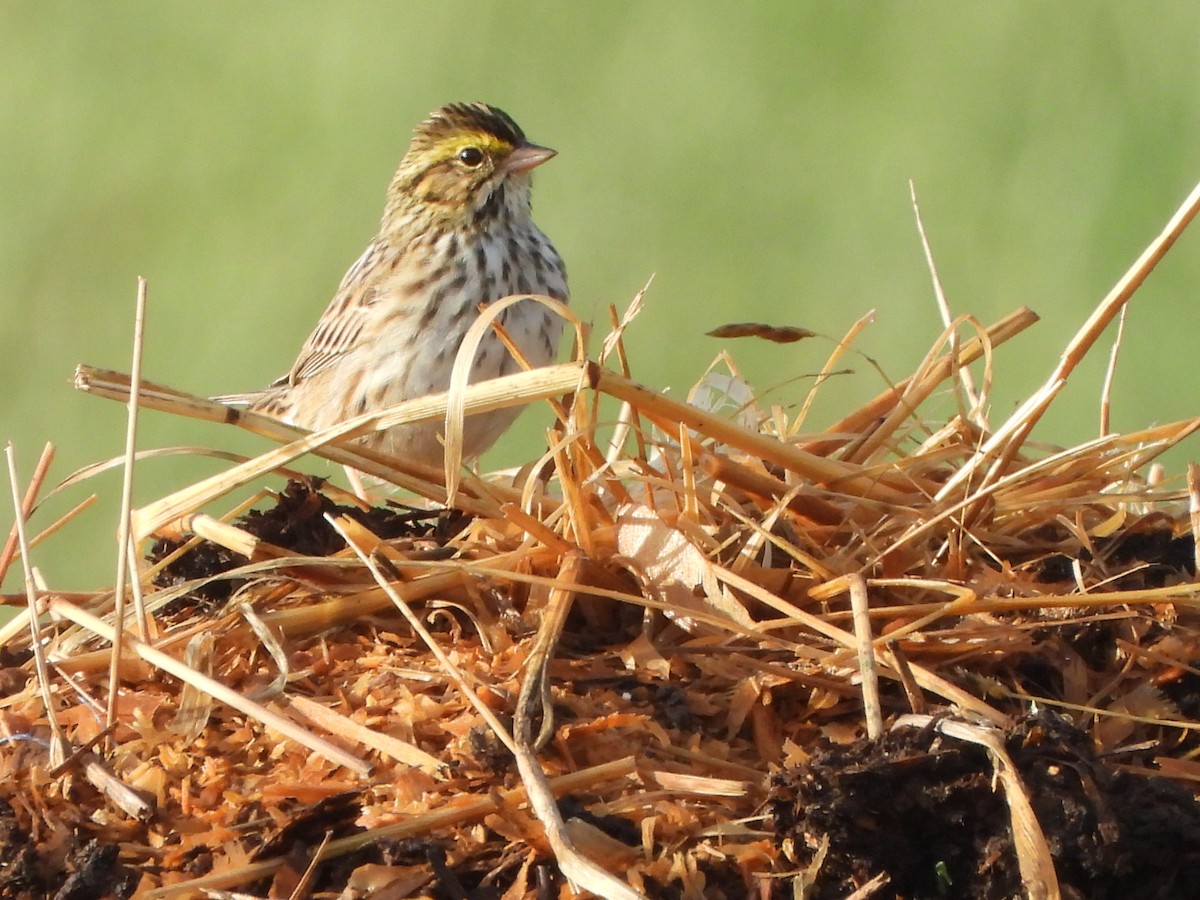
172,666
34,609
1193,483
402,752
1110,374
581,872
669,414
943,305
456,674
1008,439
456,408
26,508
133,803
126,557
859,605
971,350
829,367
473,809
871,888
510,390
917,390
537,681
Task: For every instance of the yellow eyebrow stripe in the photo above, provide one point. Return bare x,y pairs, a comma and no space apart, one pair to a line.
488,143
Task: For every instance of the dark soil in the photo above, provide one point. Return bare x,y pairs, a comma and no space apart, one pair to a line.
924,809
297,523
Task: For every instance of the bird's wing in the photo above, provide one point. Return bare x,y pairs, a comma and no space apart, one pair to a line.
340,327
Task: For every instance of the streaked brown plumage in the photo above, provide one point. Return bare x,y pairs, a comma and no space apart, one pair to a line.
456,233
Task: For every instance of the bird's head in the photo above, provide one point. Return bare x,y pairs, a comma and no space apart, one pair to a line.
468,164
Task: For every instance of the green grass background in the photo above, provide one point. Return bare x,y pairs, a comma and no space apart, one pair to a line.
753,157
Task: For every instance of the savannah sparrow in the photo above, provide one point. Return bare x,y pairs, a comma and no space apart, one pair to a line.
456,234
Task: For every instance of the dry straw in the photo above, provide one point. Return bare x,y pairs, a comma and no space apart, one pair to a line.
667,611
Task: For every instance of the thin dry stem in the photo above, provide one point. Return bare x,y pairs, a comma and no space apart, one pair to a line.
975,414
59,607
126,559
1110,374
58,743
872,708
831,363
27,504
456,396
669,414
973,349
455,672
472,809
1008,439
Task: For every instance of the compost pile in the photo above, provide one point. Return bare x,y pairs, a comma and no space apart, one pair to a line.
691,651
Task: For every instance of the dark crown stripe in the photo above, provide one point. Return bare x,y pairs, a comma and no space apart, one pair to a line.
457,117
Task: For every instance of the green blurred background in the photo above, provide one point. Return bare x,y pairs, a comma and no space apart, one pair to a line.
754,158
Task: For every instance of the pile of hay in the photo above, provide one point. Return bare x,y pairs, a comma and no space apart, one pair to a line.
695,654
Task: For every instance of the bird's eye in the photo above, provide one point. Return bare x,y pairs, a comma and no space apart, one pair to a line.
471,157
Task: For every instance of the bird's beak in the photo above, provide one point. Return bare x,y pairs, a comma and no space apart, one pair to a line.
527,157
